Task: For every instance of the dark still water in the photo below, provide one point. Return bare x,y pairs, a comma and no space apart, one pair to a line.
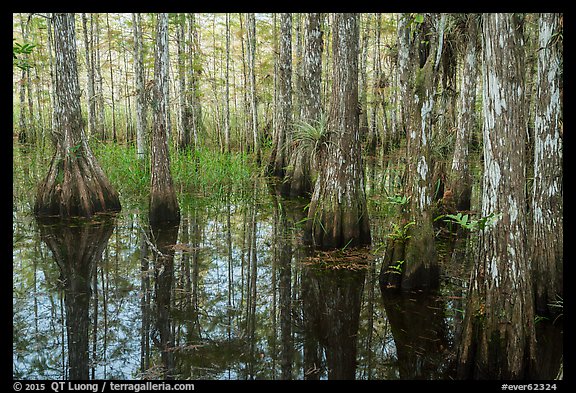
231,293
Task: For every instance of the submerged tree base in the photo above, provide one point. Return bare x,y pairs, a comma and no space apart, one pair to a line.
75,186
410,261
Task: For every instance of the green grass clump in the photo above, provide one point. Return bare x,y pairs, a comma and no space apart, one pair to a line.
128,176
196,174
210,173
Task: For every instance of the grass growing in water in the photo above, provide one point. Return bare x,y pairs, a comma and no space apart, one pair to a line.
212,174
200,173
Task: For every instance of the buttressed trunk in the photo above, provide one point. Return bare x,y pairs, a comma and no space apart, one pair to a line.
338,214
75,184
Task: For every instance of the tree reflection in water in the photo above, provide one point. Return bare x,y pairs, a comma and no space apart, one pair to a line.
231,294
164,238
76,246
331,310
419,329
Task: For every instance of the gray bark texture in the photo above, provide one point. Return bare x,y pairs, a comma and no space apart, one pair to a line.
163,203
547,197
338,214
498,336
75,184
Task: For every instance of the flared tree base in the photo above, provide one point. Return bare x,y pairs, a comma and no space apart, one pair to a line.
75,186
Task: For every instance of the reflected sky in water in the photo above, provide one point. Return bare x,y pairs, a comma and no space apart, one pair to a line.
231,294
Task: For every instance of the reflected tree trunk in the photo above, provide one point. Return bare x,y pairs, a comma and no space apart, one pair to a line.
251,274
312,352
164,237
145,302
283,254
420,334
331,305
76,247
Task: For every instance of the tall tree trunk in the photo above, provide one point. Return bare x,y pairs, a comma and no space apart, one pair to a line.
363,86
90,70
193,96
141,107
338,214
227,93
416,251
460,181
113,114
23,122
129,125
163,203
52,94
75,184
99,82
298,182
498,339
298,64
280,149
547,202
251,26
182,104
378,91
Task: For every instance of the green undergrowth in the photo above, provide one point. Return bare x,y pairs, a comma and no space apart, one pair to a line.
200,174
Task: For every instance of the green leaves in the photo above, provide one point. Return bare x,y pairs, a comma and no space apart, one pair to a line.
19,49
470,224
396,268
398,200
401,232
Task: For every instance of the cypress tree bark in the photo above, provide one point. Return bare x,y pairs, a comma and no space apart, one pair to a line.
547,201
163,203
498,338
251,27
141,107
460,181
281,149
415,251
75,184
194,117
338,214
90,70
298,181
227,95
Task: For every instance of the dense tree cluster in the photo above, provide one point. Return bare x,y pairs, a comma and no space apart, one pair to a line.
468,105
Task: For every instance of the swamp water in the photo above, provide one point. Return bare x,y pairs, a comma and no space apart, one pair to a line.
231,293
